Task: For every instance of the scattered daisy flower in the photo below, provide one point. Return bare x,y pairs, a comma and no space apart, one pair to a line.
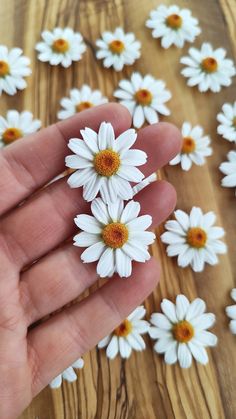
105,164
208,68
17,125
173,25
194,239
229,169
144,97
195,147
127,336
114,236
118,49
181,332
231,312
68,374
227,119
144,183
80,100
13,68
61,46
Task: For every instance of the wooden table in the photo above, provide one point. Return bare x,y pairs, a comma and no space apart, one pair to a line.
143,387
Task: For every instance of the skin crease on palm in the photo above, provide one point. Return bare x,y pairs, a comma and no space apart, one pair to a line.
37,230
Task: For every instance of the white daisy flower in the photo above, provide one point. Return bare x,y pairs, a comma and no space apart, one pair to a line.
231,312
227,119
13,68
17,125
117,49
114,236
127,336
194,239
173,25
61,46
144,97
195,147
105,164
208,68
229,169
68,374
80,100
181,332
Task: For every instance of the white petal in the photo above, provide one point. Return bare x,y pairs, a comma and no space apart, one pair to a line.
113,348
84,239
138,118
123,264
104,342
161,321
168,309
163,344
106,263
199,353
130,212
205,338
140,223
125,140
125,348
171,354
196,308
182,305
136,251
184,356
56,382
93,253
100,211
88,223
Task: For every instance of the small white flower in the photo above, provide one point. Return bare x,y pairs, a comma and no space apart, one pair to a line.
229,169
227,119
181,332
17,125
80,100
208,68
173,25
144,97
127,336
13,68
194,239
114,236
231,312
68,374
105,164
118,49
194,149
61,46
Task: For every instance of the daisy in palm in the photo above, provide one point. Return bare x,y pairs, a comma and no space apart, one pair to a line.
194,239
227,119
80,100
68,374
105,164
195,148
13,68
127,336
60,46
144,97
231,312
181,331
117,49
208,68
17,125
173,25
229,169
115,235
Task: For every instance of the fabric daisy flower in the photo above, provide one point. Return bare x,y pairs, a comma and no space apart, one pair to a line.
144,97
194,239
231,312
13,68
105,164
80,100
127,336
227,119
114,236
117,49
68,374
61,46
17,125
229,169
194,149
173,25
181,331
208,68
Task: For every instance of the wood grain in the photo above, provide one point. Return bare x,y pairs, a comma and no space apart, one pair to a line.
143,387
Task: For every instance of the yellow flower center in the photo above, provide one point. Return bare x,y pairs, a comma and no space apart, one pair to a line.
174,21
183,331
60,46
116,46
83,105
196,237
115,235
124,329
11,134
188,146
4,68
106,162
209,65
143,97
